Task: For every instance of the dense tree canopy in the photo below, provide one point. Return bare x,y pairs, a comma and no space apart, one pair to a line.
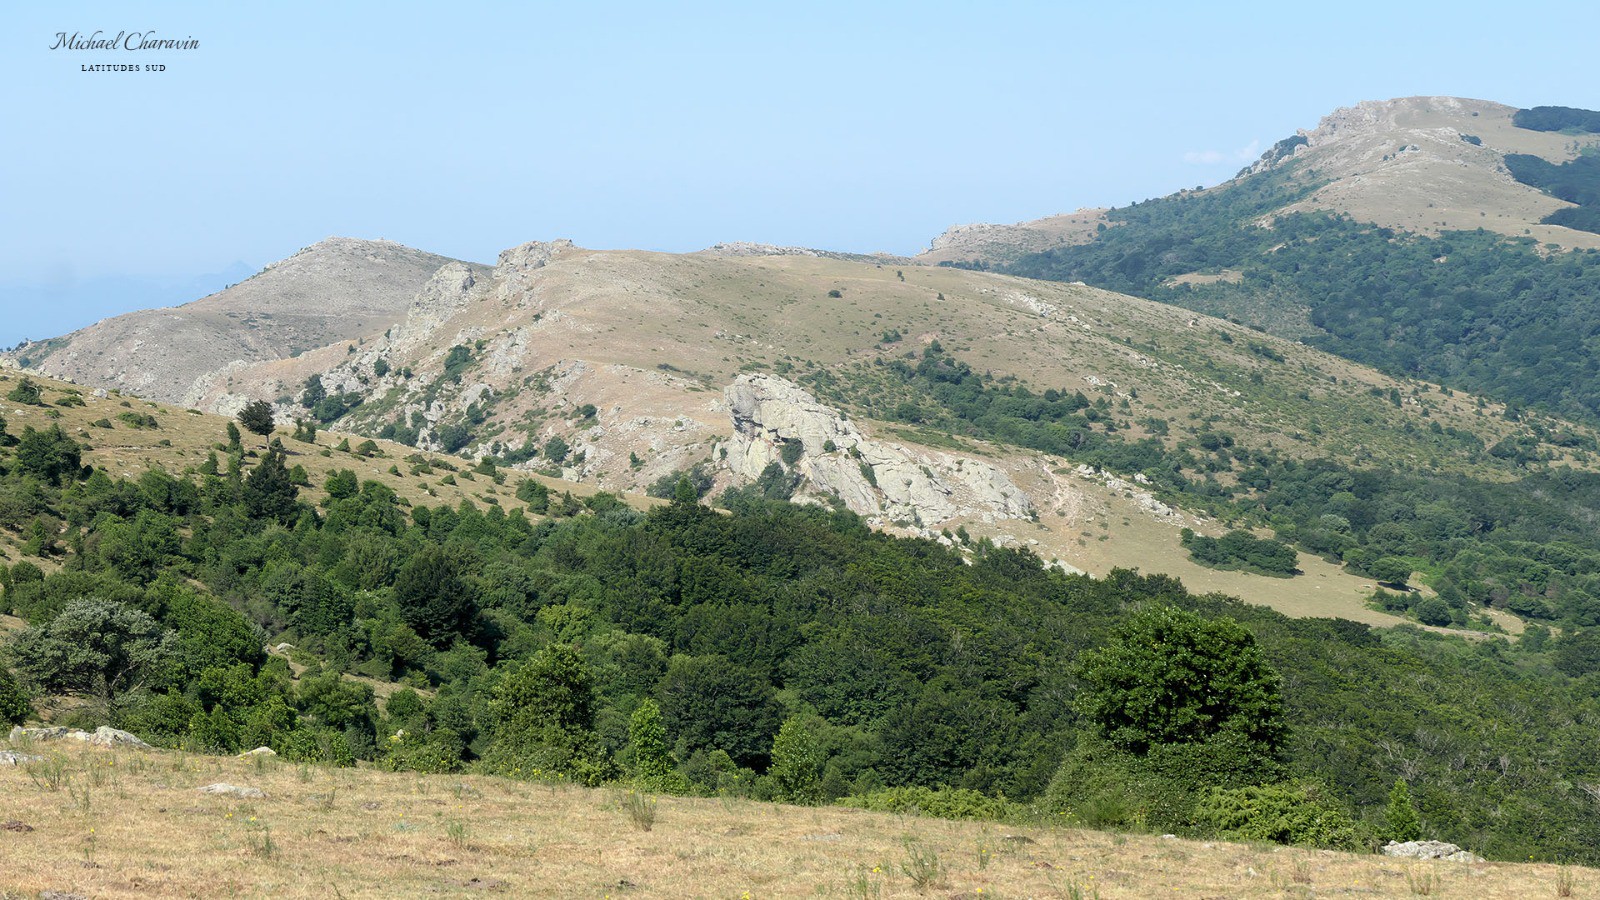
1171,677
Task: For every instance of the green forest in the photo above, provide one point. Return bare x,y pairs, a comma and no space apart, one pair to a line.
766,650
1472,310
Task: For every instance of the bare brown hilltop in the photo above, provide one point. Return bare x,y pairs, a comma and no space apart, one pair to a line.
337,289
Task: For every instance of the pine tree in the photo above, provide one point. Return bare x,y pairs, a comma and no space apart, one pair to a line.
257,417
1404,825
269,491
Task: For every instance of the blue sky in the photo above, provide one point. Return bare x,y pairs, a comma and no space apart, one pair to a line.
465,128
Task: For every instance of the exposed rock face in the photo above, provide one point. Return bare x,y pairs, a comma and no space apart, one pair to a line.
515,269
1429,850
923,487
446,293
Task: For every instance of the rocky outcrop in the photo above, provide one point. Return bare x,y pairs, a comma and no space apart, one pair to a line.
104,736
1429,850
13,758
515,270
984,240
751,249
885,482
448,292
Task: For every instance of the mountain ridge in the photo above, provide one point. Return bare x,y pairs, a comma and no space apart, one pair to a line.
1425,164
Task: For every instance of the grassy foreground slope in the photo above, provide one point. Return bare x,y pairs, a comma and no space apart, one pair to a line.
131,824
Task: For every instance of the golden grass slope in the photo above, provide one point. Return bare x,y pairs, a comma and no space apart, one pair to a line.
124,824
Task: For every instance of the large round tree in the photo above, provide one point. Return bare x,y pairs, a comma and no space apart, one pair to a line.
1171,677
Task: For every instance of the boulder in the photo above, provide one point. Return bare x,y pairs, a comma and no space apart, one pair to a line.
260,751
1429,850
13,758
231,790
46,733
106,736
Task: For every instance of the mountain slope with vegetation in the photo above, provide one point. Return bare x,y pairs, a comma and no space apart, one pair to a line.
773,651
1121,421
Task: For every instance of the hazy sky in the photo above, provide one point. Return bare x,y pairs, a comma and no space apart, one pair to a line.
464,128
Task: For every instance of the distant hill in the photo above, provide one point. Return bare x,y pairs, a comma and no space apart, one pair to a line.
1395,234
337,289
1422,164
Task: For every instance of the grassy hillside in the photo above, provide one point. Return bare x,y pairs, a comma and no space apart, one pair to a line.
605,368
129,824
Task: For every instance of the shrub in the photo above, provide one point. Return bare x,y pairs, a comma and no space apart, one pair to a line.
1301,814
14,706
544,720
93,647
940,803
797,760
652,765
26,392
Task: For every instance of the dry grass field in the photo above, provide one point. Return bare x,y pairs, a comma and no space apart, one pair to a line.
97,823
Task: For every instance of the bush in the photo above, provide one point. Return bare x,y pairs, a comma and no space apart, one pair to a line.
1299,814
26,392
1404,824
1240,549
14,706
940,803
797,760
652,765
93,647
1105,787
1432,611
51,455
544,720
